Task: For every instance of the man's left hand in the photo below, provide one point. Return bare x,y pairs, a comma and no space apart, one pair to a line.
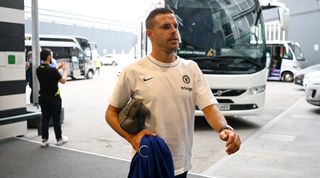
232,139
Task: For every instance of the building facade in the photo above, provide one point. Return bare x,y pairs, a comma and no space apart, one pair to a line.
304,27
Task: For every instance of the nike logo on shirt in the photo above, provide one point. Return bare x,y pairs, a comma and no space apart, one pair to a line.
148,78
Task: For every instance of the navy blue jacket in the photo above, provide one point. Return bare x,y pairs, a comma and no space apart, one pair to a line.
153,160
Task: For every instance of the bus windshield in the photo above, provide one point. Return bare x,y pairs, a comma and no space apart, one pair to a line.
297,51
222,36
85,46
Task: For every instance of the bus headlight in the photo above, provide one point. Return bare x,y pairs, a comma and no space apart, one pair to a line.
257,89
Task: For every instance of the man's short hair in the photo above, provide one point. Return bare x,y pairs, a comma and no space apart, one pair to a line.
154,13
45,53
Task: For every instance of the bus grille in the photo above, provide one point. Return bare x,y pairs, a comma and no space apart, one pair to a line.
224,101
227,92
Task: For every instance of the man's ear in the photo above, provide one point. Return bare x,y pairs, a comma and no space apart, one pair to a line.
150,35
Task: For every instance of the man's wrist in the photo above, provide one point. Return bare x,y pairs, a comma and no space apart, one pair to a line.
226,127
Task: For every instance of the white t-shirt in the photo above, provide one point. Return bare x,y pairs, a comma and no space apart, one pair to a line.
170,91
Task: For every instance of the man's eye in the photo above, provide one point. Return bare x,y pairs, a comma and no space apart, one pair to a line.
167,26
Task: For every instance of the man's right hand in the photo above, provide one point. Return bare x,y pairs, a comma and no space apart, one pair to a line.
64,66
135,140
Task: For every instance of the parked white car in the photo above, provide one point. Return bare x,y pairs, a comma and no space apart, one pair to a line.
309,76
110,59
313,91
298,76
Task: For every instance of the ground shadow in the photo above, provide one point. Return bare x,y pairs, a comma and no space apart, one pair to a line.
241,123
300,89
76,79
315,110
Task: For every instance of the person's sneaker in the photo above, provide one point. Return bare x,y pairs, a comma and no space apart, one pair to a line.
62,141
44,143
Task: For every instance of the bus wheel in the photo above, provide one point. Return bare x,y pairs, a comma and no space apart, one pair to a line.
90,74
287,76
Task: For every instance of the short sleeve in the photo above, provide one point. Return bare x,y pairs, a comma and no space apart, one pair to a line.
122,91
203,94
56,74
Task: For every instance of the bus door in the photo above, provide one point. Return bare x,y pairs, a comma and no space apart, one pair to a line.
276,54
84,62
74,65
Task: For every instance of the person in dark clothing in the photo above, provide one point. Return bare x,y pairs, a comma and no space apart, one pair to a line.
49,97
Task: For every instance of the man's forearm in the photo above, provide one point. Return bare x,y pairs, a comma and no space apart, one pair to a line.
64,77
65,74
214,117
112,118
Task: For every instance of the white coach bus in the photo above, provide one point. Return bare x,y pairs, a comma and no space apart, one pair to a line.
227,40
65,49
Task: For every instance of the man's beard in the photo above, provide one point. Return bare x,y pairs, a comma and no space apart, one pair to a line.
172,50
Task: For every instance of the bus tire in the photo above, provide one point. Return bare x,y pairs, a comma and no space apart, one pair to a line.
287,77
90,74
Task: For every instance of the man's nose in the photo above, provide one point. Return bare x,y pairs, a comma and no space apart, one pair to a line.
174,29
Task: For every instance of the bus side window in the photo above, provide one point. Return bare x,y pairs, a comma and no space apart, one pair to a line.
59,53
287,53
66,56
75,54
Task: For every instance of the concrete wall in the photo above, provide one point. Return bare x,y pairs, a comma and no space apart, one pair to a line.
304,26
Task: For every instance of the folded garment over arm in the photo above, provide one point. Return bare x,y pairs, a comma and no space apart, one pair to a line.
154,159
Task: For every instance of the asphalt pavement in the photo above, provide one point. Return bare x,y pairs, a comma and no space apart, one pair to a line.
286,144
287,147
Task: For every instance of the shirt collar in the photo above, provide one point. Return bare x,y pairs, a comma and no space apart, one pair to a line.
163,64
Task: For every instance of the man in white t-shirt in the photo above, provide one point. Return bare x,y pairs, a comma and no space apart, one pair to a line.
170,87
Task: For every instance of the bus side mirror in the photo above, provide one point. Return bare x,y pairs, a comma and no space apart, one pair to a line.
284,14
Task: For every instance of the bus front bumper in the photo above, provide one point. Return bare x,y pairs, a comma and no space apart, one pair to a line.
235,109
